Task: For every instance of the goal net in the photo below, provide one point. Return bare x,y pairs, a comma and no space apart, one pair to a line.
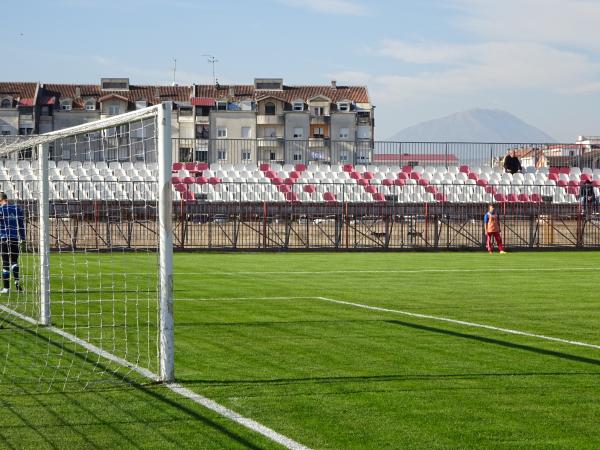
86,249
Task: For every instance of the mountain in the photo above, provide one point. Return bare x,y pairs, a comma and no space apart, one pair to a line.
475,125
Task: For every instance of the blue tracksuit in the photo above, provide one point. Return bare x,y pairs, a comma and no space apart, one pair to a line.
12,225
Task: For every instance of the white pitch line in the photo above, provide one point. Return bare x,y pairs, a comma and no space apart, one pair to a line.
462,322
174,387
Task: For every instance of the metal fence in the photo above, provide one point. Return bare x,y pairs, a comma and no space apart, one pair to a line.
256,151
81,222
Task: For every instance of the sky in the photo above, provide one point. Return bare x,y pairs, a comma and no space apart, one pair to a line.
538,59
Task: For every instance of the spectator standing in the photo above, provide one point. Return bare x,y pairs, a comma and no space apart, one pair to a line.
491,221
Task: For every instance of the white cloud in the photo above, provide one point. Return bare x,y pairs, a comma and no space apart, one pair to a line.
346,7
558,22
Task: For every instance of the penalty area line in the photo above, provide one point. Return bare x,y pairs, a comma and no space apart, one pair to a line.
461,322
205,402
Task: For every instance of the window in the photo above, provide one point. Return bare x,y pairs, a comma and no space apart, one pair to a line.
344,156
345,106
139,104
344,133
298,132
5,132
297,157
113,110
66,105
270,109
272,156
221,106
270,133
222,132
185,154
245,156
246,132
25,131
318,132
90,105
318,111
221,155
298,106
6,103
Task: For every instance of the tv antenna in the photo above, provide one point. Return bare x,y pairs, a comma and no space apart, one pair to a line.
174,70
212,60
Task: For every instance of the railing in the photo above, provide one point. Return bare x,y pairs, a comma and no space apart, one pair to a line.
272,219
332,151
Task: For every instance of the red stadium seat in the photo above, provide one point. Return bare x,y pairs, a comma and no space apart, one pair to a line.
482,182
537,198
187,195
277,180
190,166
585,177
202,166
596,183
371,189
562,183
464,169
177,166
565,170
270,174
289,181
423,182
264,167
378,197
439,197
348,168
300,167
403,176
554,170
490,189
387,182
176,180
294,174
399,182
415,175
201,180
473,176
407,169
214,180
553,176
363,182
573,190
309,188
367,175
189,180
180,187
431,189
500,198
524,198
355,175
284,188
329,197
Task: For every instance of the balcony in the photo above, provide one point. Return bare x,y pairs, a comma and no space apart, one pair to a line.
269,142
317,142
319,120
202,120
263,119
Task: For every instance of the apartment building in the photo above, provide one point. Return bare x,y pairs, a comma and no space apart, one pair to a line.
261,122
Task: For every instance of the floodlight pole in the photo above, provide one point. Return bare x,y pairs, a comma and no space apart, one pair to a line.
44,242
165,249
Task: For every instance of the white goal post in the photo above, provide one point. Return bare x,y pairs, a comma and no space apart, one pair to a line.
97,272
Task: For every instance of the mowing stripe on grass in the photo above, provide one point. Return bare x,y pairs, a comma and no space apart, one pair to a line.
461,322
411,271
176,388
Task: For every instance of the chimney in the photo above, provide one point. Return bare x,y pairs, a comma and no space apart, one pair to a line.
156,92
77,92
333,84
231,91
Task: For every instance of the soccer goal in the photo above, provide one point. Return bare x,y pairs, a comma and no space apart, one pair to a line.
86,230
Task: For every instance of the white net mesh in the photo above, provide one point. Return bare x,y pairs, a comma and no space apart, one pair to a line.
103,238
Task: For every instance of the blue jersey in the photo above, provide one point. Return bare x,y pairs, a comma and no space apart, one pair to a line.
12,225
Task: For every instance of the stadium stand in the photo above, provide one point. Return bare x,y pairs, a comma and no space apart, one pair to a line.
299,183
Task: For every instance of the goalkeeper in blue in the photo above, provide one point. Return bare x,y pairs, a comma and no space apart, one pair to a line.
12,238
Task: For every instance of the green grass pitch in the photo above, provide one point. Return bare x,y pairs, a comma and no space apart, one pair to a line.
253,332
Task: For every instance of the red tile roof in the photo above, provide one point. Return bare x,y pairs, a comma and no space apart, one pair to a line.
358,94
24,93
203,101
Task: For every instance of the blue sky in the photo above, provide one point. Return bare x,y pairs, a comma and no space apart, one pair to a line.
539,59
